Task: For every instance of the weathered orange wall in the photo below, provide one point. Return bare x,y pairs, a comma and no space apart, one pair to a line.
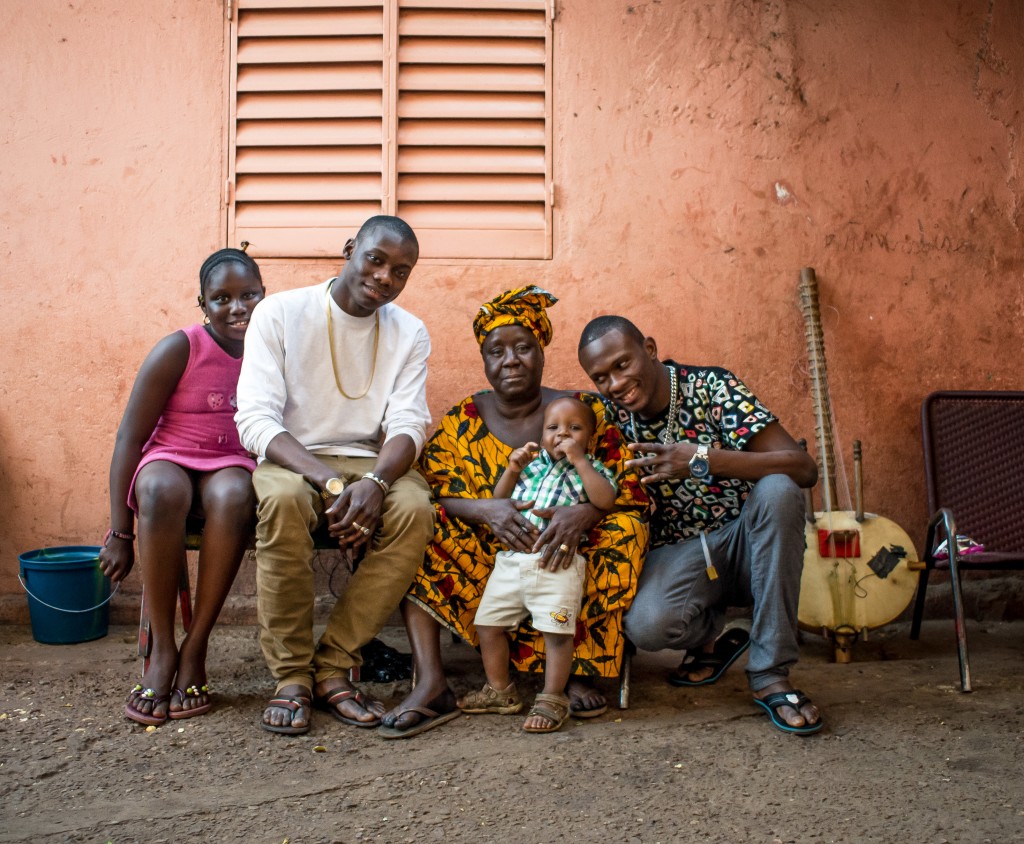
704,153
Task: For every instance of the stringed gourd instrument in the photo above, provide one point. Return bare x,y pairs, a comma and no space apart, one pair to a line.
860,570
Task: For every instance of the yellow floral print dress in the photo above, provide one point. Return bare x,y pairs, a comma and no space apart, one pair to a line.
464,460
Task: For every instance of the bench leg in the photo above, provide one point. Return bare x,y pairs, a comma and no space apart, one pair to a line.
145,644
624,673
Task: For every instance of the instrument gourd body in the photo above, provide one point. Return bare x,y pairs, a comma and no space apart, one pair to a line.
849,593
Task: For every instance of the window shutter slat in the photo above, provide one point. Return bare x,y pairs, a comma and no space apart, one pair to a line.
297,105
505,133
280,23
309,160
310,50
283,133
321,77
313,188
470,160
469,23
309,4
503,5
462,188
308,214
493,106
456,51
490,78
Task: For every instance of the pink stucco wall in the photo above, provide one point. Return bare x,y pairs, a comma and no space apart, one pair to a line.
704,153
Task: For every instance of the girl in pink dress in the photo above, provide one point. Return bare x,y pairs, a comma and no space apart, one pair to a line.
177,452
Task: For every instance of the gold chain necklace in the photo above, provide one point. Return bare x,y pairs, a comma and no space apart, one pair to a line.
330,340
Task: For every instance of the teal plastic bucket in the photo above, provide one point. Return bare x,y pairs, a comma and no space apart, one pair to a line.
68,594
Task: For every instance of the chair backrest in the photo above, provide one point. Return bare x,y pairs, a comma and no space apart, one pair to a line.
974,463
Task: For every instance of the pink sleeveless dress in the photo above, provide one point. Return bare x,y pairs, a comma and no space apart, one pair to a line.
197,428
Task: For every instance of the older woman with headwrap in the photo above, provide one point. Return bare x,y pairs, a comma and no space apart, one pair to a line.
462,462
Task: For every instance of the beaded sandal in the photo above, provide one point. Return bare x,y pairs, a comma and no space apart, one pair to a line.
191,692
137,693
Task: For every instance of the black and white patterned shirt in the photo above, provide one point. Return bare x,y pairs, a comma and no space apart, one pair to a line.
715,409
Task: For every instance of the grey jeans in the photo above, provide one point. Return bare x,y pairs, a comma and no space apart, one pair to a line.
759,558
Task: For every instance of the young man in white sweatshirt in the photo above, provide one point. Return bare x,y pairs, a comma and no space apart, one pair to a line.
332,401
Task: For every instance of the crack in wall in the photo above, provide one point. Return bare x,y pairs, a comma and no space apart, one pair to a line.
988,58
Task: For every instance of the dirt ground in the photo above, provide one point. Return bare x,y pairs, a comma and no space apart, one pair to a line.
904,757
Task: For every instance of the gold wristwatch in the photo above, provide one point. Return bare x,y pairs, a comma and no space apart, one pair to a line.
332,488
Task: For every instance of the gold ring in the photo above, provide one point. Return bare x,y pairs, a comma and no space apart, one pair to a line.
357,526
564,549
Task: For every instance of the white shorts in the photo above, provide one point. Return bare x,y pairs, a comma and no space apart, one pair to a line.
518,586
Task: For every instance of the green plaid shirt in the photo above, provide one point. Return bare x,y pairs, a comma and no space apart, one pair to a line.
554,484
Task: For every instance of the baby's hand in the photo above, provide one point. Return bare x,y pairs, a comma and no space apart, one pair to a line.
573,452
523,456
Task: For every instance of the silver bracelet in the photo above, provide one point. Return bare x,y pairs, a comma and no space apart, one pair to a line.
377,479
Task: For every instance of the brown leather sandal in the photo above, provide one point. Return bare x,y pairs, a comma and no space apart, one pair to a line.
492,701
554,708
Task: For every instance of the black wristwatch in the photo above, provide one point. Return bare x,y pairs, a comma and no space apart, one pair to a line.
700,467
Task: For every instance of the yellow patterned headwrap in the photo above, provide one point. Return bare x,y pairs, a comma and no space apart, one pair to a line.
525,306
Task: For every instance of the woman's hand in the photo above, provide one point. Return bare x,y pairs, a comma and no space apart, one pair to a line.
508,524
560,539
117,556
353,516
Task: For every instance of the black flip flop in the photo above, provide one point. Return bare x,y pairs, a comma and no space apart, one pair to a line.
794,699
431,717
728,648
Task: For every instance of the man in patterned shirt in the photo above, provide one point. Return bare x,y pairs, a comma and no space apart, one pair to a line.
727,528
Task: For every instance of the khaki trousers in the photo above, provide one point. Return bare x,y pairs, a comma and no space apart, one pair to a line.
289,510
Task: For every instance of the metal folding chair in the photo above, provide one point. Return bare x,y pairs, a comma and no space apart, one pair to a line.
974,473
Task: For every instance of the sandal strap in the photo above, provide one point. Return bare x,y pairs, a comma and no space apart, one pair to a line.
490,696
553,707
292,704
695,662
794,699
341,695
148,694
419,710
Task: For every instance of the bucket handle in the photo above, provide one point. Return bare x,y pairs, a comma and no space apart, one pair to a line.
61,609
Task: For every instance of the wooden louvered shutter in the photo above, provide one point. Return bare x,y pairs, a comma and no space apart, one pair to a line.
473,155
309,123
435,110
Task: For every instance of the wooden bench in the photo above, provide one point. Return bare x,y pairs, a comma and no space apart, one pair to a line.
322,541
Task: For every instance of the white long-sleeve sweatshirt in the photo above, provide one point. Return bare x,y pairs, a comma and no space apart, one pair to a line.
288,383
